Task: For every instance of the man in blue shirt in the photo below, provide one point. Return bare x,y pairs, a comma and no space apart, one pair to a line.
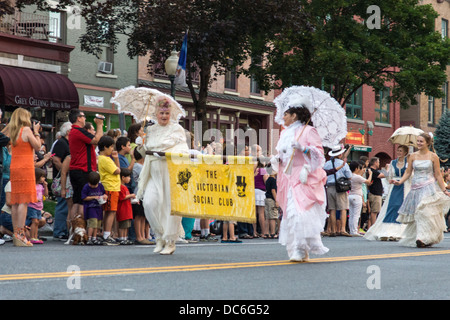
337,200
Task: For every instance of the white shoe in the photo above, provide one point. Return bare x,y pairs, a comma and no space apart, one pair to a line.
296,257
160,243
169,248
2,241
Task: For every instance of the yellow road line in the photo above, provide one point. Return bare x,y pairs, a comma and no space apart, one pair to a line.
203,267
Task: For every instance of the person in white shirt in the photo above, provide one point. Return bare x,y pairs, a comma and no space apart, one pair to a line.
355,195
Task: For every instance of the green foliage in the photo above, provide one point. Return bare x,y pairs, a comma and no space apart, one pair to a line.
442,137
335,48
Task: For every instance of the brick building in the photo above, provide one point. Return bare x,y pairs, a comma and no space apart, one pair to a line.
371,121
427,112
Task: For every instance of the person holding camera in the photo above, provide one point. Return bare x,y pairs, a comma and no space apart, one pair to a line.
25,141
337,200
83,158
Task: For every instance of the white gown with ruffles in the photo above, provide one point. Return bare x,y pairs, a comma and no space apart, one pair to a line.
424,208
300,230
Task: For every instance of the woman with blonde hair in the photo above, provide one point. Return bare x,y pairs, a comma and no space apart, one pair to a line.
427,202
24,142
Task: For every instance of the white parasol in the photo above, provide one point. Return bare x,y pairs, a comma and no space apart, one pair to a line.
141,103
328,116
406,136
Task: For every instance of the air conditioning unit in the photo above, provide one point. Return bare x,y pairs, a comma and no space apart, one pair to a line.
105,67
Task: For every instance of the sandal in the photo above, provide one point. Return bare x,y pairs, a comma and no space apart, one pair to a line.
266,236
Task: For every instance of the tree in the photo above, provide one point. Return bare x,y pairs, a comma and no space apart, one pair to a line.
442,137
341,47
220,32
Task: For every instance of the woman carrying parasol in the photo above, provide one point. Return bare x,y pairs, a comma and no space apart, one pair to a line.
154,184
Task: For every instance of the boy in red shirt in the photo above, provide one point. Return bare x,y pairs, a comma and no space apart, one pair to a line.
124,213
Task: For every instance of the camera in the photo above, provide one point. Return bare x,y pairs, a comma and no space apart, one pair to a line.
46,127
100,116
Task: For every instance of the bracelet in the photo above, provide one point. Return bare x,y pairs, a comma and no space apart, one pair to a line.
37,134
305,151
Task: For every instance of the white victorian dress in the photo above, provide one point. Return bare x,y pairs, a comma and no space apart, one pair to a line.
154,183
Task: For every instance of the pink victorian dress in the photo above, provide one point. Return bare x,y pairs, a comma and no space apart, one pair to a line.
303,199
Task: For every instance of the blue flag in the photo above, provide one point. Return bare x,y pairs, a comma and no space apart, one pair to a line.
180,75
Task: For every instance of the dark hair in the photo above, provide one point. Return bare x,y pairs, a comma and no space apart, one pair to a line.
362,163
73,115
105,142
93,178
133,131
125,172
303,114
137,154
363,158
355,165
38,173
121,142
88,126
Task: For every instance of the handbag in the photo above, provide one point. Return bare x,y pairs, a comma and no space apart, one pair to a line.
343,184
56,185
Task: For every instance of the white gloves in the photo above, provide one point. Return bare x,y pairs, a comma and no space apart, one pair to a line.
297,146
274,162
139,141
158,157
304,173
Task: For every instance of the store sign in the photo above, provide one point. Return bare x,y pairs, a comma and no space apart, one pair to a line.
93,101
362,148
40,103
354,138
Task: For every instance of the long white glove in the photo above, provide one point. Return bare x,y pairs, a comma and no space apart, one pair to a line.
297,146
158,157
274,161
304,173
139,141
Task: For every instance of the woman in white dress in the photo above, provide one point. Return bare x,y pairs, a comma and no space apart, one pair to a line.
386,227
154,183
426,204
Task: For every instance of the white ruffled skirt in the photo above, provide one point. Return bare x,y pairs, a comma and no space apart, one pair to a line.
425,221
300,231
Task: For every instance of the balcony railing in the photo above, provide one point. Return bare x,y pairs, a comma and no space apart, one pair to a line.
30,25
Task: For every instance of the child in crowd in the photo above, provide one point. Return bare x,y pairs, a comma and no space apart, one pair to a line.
93,195
123,148
141,226
355,196
124,210
109,170
271,204
34,214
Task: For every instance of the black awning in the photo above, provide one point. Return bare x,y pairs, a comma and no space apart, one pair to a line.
32,88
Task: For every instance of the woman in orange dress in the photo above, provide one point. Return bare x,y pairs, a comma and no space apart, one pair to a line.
23,185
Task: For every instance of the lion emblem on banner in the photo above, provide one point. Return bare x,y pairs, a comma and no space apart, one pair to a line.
183,178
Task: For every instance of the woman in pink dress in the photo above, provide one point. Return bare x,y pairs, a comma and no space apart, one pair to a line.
301,192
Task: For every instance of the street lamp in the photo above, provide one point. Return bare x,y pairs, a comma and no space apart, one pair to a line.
171,65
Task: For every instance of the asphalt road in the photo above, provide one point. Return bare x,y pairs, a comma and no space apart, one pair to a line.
257,269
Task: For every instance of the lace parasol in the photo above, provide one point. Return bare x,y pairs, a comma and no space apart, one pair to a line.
141,103
328,116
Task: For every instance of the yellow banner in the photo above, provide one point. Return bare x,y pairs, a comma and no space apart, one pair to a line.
206,188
